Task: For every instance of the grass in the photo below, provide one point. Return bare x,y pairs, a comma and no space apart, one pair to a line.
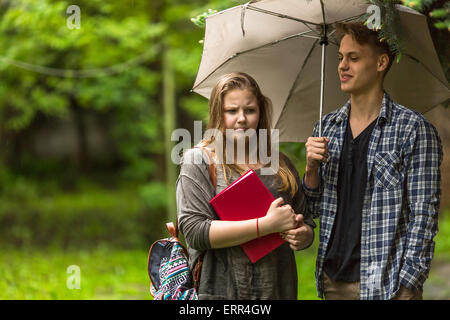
111,274
105,274
306,266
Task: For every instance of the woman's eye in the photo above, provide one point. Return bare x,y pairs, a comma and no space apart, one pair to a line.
250,110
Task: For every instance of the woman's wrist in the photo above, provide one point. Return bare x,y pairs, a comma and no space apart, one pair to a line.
264,226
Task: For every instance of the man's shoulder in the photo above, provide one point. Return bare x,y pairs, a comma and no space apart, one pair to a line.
401,115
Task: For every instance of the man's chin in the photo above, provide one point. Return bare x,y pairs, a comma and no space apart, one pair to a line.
346,88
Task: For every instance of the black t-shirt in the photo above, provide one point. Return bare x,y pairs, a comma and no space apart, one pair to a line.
342,261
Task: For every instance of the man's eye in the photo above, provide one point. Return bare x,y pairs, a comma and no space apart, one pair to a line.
340,58
354,59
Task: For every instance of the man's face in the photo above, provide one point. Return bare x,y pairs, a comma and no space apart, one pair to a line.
357,66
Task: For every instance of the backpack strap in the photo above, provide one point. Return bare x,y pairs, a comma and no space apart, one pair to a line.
196,272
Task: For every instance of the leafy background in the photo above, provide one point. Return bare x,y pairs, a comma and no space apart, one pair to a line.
85,120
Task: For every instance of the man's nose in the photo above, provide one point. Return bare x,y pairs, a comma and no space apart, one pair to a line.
343,65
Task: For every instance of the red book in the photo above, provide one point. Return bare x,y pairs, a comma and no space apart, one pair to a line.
248,198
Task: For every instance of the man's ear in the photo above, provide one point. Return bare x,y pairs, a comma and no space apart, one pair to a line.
383,62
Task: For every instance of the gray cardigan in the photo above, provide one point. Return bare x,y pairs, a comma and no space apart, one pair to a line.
227,273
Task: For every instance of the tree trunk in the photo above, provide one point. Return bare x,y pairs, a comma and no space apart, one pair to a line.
169,127
82,158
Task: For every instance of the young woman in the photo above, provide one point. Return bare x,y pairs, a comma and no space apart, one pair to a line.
237,105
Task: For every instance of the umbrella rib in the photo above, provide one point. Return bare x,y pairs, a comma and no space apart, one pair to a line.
426,68
350,18
302,34
283,16
332,41
298,77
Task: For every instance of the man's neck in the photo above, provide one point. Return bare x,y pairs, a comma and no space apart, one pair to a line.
366,106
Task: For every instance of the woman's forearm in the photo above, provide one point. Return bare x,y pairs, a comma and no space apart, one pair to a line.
224,234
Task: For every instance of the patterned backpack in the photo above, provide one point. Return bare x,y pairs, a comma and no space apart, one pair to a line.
168,268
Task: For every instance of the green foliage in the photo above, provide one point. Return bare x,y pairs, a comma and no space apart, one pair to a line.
297,154
439,15
111,66
121,218
390,29
442,248
200,20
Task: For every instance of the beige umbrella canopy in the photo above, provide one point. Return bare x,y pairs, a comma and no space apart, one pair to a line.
278,42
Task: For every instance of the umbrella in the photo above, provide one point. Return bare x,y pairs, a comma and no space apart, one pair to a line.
290,48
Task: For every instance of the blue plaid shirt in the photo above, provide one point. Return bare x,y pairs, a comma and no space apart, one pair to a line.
401,200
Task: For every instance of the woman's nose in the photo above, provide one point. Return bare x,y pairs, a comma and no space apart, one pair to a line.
241,116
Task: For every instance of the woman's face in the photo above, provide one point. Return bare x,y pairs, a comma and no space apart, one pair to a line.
241,111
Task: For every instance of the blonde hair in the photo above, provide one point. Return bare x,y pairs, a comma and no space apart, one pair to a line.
243,81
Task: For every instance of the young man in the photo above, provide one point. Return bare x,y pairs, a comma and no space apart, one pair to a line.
374,180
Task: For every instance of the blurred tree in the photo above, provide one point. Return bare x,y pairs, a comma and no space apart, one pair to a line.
52,71
117,66
169,127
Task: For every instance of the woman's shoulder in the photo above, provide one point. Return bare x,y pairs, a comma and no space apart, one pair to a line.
195,160
192,156
198,155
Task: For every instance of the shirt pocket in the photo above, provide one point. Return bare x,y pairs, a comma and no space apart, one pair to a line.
387,170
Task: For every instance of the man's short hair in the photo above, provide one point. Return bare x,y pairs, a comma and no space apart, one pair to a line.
364,35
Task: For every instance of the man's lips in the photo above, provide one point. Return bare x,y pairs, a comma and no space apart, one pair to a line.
345,77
